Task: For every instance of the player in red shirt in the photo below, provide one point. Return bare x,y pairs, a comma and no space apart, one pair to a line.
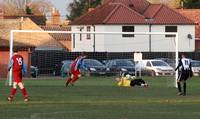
19,69
75,70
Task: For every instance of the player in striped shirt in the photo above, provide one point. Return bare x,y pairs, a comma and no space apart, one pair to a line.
185,71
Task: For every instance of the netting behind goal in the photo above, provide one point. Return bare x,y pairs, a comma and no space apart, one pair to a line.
47,53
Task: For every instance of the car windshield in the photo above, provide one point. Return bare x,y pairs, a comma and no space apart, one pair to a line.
159,63
195,64
89,62
124,63
170,61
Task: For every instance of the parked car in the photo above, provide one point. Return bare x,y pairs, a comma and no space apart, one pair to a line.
195,67
117,65
65,69
93,67
155,67
34,71
169,61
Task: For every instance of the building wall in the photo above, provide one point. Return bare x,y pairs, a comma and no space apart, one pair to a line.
4,55
168,44
117,43
79,41
143,43
193,14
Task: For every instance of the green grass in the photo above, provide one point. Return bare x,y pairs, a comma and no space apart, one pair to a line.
100,98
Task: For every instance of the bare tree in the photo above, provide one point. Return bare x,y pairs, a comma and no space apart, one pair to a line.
41,6
18,7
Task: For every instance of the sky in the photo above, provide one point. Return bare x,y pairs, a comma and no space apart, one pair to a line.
61,5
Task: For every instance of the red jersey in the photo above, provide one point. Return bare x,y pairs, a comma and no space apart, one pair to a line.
17,66
17,62
75,66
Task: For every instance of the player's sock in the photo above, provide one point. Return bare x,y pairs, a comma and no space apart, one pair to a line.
184,88
179,86
68,81
13,91
24,93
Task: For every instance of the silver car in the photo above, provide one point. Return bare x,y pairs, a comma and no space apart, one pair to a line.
196,67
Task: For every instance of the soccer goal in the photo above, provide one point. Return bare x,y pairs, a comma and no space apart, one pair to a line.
154,46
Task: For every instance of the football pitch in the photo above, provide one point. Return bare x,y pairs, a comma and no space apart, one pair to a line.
101,98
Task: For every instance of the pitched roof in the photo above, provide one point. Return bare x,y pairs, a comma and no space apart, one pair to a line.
38,19
131,12
137,5
39,40
165,15
194,15
58,36
116,16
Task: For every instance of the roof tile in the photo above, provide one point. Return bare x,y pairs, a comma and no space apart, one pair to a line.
132,12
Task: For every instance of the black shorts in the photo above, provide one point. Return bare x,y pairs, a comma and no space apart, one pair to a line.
184,75
137,82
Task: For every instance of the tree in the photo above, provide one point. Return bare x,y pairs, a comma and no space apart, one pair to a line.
79,7
41,6
191,4
21,7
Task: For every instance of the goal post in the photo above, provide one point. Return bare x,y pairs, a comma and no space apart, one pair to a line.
12,38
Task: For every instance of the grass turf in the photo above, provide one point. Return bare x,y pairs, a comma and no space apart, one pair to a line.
100,98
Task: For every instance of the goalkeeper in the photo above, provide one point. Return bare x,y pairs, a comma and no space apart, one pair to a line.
127,80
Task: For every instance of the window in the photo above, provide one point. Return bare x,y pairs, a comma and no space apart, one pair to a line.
170,29
80,35
88,35
128,29
148,64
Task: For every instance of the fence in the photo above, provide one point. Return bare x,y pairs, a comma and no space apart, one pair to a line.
48,61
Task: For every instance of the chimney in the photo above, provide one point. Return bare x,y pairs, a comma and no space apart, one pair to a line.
1,13
55,17
90,9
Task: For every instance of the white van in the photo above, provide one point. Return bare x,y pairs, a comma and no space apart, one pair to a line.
154,67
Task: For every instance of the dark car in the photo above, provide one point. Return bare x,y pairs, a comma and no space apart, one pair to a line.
93,67
120,65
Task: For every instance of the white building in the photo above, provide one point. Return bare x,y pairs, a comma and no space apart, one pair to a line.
131,16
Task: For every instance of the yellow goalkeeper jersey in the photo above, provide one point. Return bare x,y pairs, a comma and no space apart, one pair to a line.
124,82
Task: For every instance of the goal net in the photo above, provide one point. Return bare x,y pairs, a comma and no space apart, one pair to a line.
45,52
